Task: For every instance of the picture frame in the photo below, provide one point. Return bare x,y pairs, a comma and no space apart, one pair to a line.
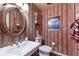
54,23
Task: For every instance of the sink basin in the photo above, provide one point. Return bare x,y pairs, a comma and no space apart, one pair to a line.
14,51
18,49
22,49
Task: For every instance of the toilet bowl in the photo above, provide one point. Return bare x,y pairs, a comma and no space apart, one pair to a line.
44,50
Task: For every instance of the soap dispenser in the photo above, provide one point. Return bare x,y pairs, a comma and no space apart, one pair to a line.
26,39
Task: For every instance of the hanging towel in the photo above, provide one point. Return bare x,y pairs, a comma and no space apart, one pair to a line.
74,30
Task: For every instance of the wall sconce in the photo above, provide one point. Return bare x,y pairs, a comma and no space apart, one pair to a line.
77,15
36,15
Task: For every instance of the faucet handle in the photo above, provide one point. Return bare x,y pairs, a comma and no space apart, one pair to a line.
16,42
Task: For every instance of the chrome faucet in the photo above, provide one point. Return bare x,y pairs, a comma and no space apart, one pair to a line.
17,42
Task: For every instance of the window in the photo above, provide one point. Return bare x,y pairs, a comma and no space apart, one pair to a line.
24,6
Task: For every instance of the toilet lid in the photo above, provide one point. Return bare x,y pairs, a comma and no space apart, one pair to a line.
45,48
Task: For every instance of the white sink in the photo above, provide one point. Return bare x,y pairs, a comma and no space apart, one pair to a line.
26,48
14,51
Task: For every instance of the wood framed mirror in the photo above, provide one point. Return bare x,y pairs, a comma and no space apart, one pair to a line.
13,21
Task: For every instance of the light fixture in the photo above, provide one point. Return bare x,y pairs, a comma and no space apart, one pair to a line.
35,14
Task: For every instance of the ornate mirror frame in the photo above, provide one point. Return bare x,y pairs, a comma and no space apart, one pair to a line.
5,9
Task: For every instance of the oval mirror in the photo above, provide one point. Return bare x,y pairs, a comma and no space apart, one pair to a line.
12,20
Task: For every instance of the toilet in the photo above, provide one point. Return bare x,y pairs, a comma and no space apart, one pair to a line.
44,50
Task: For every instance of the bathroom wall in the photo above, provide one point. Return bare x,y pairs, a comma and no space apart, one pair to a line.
64,44
33,27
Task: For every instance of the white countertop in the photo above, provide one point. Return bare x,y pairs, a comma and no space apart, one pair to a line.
25,48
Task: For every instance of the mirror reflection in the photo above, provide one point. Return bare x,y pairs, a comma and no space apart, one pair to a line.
14,21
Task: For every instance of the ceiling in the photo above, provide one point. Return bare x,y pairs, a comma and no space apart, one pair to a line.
42,5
